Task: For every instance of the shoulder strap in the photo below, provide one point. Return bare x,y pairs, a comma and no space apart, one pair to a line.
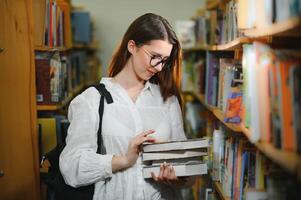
104,94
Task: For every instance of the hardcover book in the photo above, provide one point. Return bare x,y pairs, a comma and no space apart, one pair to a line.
176,145
180,170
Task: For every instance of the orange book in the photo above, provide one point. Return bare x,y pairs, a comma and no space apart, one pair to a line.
65,8
288,137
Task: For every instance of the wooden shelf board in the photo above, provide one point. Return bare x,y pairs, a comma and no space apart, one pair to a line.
201,98
220,116
46,107
286,159
44,48
235,44
220,191
291,27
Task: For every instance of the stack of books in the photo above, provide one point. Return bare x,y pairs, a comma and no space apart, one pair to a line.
185,157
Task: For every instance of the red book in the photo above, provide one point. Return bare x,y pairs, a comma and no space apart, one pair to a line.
43,81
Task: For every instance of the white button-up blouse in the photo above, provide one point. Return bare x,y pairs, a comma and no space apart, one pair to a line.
122,120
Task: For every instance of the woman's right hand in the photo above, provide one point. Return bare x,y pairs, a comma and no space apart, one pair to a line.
135,146
129,159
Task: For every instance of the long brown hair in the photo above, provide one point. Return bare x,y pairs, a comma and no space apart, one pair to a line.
144,29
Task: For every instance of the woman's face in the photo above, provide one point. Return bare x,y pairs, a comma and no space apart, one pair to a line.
149,59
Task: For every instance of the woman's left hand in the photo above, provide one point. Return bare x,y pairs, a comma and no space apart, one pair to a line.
167,175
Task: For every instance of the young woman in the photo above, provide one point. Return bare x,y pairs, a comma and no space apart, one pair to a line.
143,83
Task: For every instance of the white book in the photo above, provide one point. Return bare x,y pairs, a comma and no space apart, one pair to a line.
176,161
176,145
180,170
173,154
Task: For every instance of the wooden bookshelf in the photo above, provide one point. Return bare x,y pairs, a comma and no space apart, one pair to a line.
219,189
62,104
290,161
291,27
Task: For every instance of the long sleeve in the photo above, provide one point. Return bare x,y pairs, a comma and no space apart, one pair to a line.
175,115
79,163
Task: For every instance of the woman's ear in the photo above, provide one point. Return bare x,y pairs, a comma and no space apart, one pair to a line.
131,46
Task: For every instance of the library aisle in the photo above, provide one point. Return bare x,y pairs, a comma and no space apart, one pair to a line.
240,90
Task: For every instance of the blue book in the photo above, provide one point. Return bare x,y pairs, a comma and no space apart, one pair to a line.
81,27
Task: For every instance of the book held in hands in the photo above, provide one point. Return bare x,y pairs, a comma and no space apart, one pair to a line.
185,157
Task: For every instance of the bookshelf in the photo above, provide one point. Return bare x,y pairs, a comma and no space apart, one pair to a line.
67,53
283,34
286,159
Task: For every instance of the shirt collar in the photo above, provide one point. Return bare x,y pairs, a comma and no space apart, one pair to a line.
148,85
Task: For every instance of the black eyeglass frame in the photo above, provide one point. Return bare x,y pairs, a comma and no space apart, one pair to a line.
152,57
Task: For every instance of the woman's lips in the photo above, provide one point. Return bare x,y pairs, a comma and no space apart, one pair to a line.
151,73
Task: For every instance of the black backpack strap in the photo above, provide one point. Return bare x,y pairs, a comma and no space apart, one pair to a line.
104,94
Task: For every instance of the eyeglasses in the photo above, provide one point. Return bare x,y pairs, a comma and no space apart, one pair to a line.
156,60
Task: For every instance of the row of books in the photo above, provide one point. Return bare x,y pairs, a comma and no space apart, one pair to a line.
272,95
185,157
214,76
262,92
258,14
58,73
57,25
235,166
244,173
210,27
221,73
52,23
223,24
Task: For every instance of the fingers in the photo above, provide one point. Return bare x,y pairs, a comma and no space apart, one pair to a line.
146,133
154,176
166,175
142,137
